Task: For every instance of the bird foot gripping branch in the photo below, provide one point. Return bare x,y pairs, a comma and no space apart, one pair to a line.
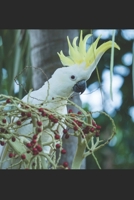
31,129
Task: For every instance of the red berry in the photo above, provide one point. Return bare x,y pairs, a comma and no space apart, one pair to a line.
55,120
4,120
2,130
29,114
63,151
23,114
79,112
51,116
2,143
65,131
44,113
39,130
13,139
67,136
23,156
57,136
35,153
34,149
65,164
39,148
70,111
10,155
98,127
39,123
18,123
94,124
35,137
86,129
8,101
33,141
92,129
79,123
40,109
32,144
29,145
75,128
57,146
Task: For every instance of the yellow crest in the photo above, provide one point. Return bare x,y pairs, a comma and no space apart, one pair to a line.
79,54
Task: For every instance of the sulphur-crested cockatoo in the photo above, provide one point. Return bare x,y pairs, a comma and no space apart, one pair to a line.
78,67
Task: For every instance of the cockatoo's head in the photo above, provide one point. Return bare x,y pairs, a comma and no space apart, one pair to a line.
81,62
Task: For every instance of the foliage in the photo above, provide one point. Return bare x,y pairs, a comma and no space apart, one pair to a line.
26,151
14,56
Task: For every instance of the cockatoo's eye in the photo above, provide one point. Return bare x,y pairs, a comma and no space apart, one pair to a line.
73,77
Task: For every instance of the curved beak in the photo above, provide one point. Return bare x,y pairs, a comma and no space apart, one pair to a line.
80,86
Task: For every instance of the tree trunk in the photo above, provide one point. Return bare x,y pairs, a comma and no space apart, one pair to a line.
44,47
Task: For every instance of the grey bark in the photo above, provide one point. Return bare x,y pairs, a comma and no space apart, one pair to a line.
44,47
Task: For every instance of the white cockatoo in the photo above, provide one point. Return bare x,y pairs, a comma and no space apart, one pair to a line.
78,67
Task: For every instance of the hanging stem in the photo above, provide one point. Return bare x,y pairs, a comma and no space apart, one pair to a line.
112,64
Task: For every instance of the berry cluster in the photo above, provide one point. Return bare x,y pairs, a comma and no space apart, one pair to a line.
38,116
51,117
77,122
34,147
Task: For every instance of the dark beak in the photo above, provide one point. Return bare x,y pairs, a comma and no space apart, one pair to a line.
80,86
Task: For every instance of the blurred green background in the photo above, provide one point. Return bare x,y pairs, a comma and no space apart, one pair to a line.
119,153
